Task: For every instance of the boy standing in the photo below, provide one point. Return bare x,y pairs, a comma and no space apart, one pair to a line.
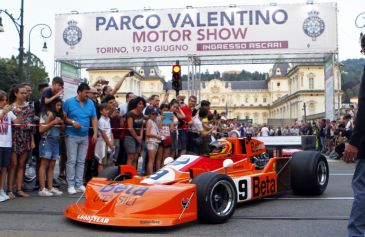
104,144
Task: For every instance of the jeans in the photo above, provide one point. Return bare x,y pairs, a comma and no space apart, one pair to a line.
117,148
356,226
76,154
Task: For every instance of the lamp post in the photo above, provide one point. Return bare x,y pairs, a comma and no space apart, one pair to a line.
305,112
45,36
20,28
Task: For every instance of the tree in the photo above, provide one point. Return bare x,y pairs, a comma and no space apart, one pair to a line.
9,73
351,77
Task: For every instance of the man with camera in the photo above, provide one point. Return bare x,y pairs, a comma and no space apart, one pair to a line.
355,150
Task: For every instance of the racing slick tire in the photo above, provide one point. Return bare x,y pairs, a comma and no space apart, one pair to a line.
309,173
113,174
216,197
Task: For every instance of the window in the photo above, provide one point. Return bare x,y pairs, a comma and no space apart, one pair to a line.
141,72
278,71
256,100
311,83
264,100
278,84
152,72
246,100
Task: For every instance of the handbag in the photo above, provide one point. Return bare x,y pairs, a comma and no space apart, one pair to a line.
167,142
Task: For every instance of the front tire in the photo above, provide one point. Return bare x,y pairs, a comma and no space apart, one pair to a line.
309,173
216,197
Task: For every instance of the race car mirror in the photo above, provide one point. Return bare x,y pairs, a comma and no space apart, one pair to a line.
168,160
227,163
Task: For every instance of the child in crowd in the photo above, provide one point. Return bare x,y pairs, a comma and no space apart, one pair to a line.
153,139
51,125
22,138
104,144
166,126
6,117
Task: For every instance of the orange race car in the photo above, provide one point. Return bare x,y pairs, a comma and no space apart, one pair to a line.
205,188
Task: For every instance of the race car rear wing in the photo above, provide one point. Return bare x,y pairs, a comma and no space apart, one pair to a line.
307,142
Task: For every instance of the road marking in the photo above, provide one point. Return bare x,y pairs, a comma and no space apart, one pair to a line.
342,174
310,198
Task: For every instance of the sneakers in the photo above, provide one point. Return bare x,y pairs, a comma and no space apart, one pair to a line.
55,191
3,196
81,189
45,193
2,199
71,190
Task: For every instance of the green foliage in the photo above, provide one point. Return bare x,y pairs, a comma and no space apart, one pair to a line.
242,76
351,75
9,73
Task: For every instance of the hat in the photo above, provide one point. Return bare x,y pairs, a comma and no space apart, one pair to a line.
155,110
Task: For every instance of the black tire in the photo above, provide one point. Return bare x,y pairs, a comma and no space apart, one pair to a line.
112,174
216,197
309,173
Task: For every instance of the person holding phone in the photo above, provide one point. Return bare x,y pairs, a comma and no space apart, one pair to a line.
108,90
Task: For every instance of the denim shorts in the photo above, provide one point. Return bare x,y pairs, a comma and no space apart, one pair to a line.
131,145
49,148
5,155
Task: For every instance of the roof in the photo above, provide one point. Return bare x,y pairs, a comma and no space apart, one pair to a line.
248,85
283,69
147,72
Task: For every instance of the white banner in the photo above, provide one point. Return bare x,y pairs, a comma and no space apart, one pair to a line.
264,29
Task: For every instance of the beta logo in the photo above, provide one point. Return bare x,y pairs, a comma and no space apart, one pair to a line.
124,188
263,187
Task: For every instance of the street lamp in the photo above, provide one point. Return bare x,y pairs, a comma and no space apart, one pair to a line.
20,28
305,112
44,49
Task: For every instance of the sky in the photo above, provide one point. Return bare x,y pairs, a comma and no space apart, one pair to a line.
44,11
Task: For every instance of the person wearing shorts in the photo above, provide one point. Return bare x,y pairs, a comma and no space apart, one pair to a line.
104,144
134,135
6,117
51,124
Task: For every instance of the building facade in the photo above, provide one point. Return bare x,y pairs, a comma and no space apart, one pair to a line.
290,92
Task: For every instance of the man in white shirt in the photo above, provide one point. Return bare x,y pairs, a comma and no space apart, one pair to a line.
265,131
123,109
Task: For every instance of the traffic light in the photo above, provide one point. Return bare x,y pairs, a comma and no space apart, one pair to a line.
176,77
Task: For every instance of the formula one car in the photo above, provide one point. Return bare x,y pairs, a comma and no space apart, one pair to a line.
205,188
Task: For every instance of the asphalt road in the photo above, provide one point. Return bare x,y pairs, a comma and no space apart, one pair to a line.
284,215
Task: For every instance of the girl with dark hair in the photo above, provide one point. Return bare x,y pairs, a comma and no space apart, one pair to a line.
51,124
134,135
23,139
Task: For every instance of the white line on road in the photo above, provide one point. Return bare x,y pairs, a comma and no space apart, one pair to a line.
311,198
341,174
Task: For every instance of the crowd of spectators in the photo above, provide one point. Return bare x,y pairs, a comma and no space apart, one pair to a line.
91,131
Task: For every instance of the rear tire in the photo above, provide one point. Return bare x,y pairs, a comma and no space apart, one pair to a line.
216,197
309,173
